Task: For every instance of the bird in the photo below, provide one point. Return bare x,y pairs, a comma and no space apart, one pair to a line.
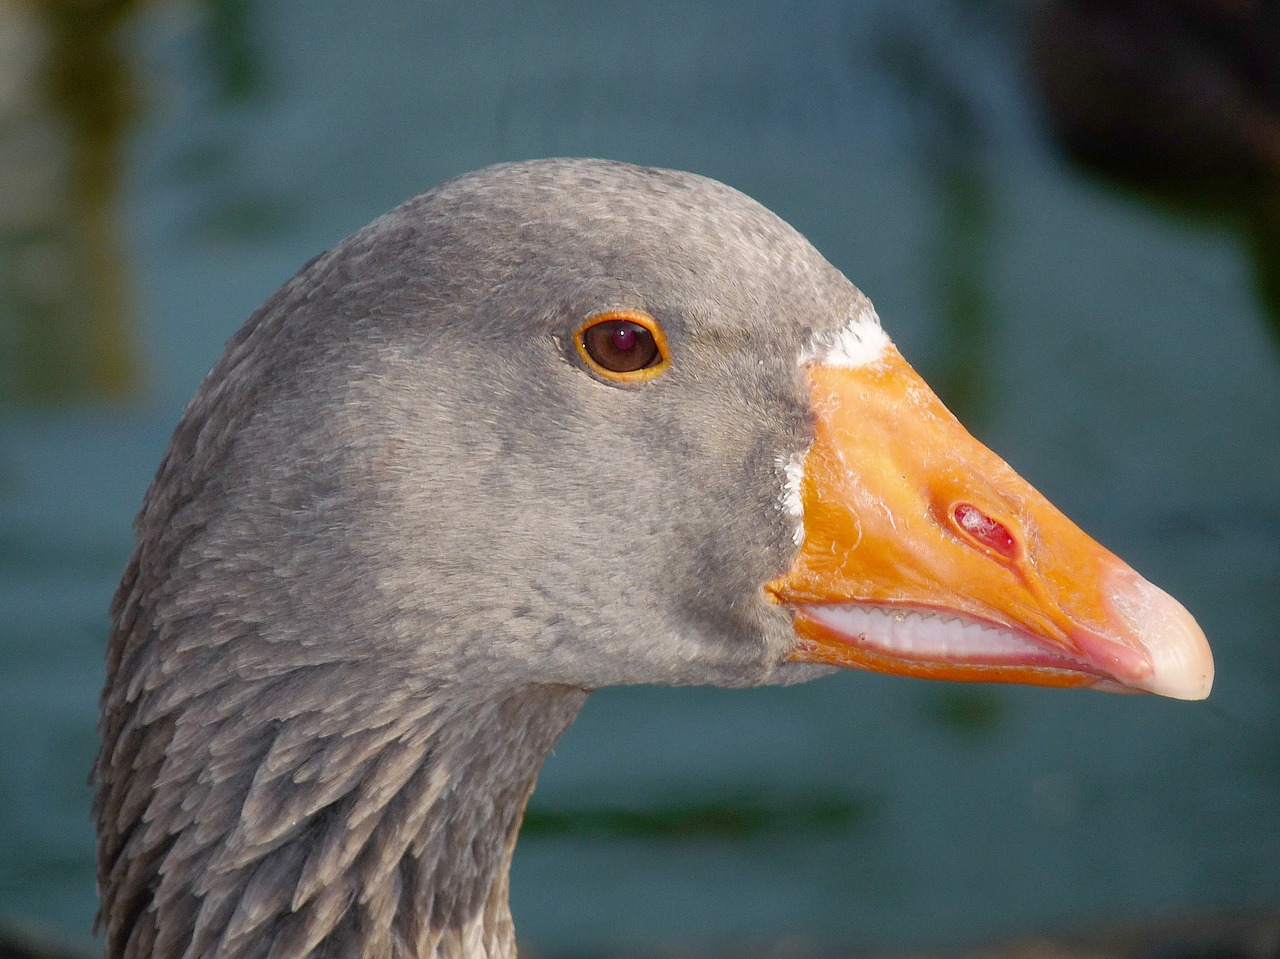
551,426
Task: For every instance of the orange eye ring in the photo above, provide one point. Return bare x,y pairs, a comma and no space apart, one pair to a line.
623,346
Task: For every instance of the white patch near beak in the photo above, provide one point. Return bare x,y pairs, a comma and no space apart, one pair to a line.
792,469
860,342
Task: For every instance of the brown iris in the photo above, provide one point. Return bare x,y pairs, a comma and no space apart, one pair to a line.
623,345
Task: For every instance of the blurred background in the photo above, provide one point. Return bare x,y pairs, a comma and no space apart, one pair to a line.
1068,216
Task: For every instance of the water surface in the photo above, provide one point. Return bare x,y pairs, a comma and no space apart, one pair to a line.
1113,352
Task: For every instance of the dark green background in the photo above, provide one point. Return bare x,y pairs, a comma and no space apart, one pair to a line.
185,159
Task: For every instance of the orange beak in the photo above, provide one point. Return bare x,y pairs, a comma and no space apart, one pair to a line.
925,555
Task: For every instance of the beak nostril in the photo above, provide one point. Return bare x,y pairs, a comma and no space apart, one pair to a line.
989,532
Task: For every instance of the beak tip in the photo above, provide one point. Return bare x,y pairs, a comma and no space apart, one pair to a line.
1175,645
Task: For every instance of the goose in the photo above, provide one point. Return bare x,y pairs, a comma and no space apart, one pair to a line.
549,427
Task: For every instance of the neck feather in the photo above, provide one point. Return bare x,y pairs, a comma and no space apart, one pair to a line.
319,833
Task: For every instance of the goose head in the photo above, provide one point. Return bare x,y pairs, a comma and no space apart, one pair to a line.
549,427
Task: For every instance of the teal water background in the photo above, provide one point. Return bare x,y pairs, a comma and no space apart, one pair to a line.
1111,349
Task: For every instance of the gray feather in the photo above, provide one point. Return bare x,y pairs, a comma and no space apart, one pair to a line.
401,530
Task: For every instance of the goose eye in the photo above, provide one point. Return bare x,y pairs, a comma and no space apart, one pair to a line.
620,346
624,345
